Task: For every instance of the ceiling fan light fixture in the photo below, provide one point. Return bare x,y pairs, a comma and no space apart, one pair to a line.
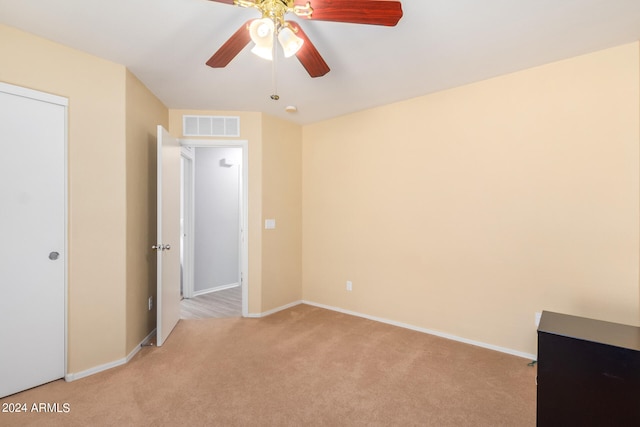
264,52
290,43
261,33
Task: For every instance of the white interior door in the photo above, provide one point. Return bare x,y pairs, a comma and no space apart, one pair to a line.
168,235
33,230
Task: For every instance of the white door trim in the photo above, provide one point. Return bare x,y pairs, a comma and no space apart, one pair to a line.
34,94
188,174
244,221
63,102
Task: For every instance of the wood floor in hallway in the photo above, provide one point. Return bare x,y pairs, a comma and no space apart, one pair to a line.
219,304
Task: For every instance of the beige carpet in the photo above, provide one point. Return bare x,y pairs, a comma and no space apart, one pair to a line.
304,366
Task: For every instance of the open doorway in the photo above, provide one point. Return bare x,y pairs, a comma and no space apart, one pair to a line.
213,220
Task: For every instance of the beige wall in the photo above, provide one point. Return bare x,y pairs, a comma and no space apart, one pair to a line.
143,113
97,215
282,201
469,210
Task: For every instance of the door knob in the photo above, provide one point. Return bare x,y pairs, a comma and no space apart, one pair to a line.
167,247
54,256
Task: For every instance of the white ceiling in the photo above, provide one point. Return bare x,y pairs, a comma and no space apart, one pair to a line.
438,44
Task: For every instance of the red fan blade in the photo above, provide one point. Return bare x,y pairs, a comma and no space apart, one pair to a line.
373,12
231,48
224,1
308,55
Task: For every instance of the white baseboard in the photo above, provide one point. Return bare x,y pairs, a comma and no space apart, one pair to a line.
106,366
76,376
216,289
275,310
426,331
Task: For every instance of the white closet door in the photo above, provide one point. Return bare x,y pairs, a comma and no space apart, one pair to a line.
32,226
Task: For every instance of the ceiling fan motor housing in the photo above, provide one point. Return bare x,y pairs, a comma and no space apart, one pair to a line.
277,9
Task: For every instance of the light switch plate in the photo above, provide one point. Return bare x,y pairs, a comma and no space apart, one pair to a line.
269,224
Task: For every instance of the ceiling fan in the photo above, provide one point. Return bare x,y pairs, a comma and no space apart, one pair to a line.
293,40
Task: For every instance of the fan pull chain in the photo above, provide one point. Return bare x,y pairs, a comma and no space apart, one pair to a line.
274,68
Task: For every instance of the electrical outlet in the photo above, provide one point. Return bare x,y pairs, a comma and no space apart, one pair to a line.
150,303
349,285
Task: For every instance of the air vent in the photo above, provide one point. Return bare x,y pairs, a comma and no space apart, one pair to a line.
210,126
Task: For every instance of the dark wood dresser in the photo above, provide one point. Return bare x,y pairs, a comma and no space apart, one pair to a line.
588,372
